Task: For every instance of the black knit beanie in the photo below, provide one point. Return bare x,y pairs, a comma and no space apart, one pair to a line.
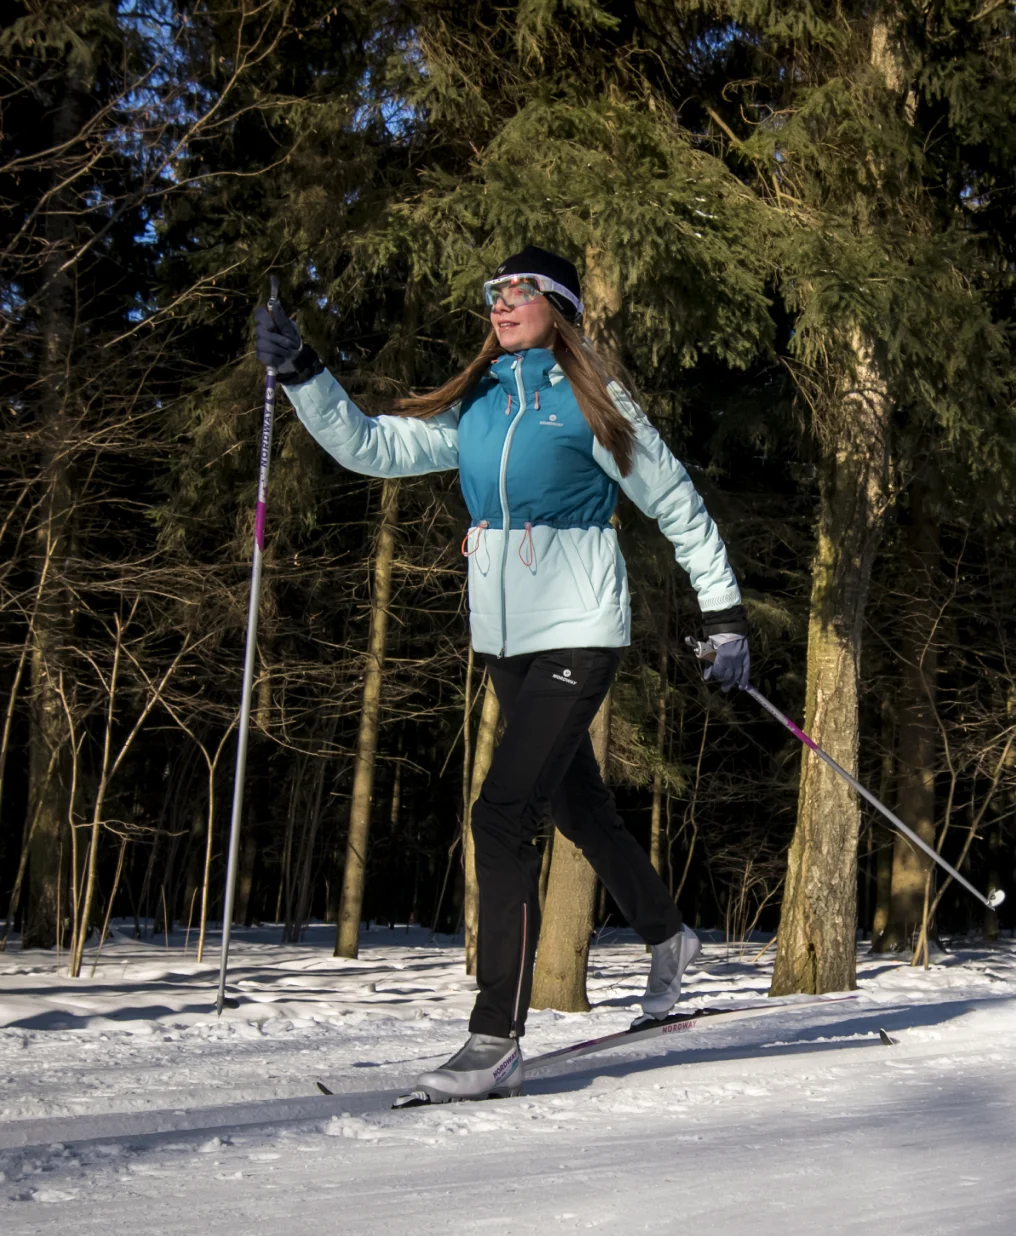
535,261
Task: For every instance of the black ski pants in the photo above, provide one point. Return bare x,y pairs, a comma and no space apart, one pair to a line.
544,765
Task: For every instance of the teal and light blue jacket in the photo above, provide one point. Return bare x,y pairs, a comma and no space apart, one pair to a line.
545,569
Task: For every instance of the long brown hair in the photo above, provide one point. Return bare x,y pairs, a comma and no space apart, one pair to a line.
585,370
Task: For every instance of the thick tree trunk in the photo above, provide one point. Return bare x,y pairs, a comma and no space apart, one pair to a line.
602,297
559,980
482,756
918,733
348,934
816,947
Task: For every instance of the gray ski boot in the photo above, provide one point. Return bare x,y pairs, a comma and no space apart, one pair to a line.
670,960
487,1067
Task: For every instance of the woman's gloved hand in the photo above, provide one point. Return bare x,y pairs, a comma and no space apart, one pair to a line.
732,664
279,346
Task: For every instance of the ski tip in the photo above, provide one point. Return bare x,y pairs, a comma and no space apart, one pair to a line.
323,1088
417,1098
886,1038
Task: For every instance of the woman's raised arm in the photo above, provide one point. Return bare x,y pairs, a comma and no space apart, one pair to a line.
373,445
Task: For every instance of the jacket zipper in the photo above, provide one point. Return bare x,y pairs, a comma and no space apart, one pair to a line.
503,489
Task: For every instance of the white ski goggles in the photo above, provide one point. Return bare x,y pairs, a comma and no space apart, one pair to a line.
516,290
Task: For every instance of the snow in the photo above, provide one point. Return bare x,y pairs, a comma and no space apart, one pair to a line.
127,1105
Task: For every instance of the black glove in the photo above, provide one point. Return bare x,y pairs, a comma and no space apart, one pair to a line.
279,346
732,665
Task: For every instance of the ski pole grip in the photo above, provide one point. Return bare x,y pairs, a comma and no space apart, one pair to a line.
705,650
273,298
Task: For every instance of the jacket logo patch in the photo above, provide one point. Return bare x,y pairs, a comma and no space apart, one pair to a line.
553,422
565,677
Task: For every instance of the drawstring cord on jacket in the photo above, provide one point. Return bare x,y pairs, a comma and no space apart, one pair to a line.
527,551
479,532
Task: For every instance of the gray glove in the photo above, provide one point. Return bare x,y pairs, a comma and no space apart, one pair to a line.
279,346
732,665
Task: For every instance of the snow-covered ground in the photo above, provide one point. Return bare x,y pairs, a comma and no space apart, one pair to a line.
127,1106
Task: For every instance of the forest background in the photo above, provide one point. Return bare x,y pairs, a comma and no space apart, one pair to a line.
796,228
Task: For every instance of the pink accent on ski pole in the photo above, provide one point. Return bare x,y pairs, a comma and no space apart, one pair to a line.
259,527
799,733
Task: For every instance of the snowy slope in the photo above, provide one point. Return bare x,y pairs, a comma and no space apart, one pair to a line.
126,1105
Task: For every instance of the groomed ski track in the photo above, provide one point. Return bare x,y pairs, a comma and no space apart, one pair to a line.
799,1123
148,1127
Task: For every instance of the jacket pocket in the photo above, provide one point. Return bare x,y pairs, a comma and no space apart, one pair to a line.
583,583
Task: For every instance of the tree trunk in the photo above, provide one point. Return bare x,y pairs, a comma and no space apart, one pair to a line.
206,874
347,939
918,733
884,843
559,980
52,621
884,836
307,866
602,297
195,863
484,753
816,945
991,929
248,857
285,904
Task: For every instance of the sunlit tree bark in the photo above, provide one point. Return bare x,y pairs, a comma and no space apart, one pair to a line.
348,932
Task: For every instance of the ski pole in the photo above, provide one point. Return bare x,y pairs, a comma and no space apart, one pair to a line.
706,652
248,667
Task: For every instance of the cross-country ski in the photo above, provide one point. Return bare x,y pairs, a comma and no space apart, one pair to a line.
642,1030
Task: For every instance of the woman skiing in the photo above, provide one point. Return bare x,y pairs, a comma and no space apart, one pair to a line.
542,437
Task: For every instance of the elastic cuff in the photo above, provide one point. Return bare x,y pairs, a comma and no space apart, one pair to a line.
732,621
306,365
